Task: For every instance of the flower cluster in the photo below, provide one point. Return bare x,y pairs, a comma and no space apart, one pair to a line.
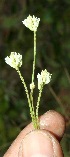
43,78
31,22
14,60
32,86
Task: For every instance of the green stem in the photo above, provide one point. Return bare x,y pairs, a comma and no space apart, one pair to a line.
33,72
37,107
26,90
31,98
34,56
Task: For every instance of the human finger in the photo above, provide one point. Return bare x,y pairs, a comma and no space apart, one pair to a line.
51,121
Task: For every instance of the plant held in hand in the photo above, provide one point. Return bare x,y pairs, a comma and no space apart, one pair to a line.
15,61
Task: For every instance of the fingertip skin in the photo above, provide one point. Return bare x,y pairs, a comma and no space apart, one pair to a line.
53,122
40,143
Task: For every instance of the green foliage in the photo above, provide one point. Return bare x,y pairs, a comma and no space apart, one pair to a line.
9,22
53,53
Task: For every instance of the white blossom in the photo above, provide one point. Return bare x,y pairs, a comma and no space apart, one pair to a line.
31,22
43,78
32,86
14,60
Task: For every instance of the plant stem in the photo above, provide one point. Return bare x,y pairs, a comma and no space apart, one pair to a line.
31,98
26,90
34,57
67,74
57,99
37,107
33,72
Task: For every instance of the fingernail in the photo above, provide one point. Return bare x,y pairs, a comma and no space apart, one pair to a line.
37,144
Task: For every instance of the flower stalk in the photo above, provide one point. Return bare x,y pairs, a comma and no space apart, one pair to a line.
34,57
26,90
38,102
15,61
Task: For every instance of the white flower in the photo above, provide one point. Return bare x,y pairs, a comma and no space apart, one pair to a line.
14,60
43,78
31,22
32,86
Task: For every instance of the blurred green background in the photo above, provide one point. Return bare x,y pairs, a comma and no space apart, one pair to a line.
53,53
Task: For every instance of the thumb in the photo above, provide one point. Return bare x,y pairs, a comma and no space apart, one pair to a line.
39,143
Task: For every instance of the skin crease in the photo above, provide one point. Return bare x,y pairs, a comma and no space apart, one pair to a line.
52,126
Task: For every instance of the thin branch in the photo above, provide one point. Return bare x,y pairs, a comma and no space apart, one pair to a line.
67,74
57,98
